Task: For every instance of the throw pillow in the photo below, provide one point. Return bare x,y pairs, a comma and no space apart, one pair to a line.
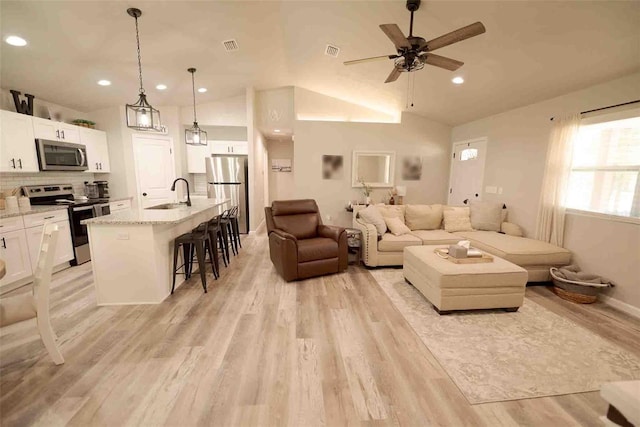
485,215
391,211
371,215
457,219
511,229
396,226
423,217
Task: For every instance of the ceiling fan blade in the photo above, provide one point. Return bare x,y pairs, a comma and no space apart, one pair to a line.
454,37
373,58
393,76
441,61
395,34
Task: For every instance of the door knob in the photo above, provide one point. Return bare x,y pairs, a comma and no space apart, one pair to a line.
476,194
144,194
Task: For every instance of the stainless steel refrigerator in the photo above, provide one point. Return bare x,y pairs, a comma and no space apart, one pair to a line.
227,179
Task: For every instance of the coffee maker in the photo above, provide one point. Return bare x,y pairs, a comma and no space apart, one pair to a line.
103,189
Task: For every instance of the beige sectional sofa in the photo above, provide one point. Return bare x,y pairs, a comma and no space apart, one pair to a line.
533,255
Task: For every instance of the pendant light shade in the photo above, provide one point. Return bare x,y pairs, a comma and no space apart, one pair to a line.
194,135
141,115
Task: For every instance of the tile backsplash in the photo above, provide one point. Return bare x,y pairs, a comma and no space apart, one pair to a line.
9,181
199,183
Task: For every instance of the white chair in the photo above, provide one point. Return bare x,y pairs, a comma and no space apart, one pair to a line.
24,307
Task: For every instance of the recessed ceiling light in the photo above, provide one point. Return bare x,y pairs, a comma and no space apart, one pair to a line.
457,80
16,41
202,90
161,87
104,82
276,130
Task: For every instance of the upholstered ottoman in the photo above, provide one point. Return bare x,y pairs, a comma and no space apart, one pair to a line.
449,286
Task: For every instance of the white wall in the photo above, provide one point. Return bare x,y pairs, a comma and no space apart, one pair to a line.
415,135
314,106
281,184
516,151
257,164
225,112
41,108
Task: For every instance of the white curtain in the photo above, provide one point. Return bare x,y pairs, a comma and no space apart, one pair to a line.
550,225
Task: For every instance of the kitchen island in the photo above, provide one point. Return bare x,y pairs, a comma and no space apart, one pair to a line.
132,250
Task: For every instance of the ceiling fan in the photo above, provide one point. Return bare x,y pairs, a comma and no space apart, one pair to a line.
414,52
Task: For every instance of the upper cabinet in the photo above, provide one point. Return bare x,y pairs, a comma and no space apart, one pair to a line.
55,131
197,153
17,143
97,150
229,147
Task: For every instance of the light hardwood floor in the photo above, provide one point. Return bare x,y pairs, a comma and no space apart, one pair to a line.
257,351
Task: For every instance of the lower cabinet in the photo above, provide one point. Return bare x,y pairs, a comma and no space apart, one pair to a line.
14,251
64,247
119,206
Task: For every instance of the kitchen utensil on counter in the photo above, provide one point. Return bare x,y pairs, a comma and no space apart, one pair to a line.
24,202
103,189
11,202
81,198
91,190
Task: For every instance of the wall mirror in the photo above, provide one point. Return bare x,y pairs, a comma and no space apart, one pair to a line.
376,168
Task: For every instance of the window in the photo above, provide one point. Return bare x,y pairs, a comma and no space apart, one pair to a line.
605,171
468,154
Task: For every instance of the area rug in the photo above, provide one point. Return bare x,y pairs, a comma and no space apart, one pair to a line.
496,356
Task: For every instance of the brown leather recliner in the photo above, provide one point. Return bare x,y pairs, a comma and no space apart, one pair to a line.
300,245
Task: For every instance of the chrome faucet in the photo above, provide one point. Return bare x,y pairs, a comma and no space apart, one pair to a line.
173,188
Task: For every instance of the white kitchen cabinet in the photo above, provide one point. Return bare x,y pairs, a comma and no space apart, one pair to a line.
120,205
97,150
64,246
229,147
55,131
17,143
14,251
195,158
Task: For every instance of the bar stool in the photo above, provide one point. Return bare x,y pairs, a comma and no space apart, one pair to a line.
200,239
227,234
215,237
235,225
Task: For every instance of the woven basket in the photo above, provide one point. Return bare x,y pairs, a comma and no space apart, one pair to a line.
578,292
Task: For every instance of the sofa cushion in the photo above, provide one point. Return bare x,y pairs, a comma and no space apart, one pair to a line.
391,211
436,237
456,219
391,243
396,226
485,215
371,215
317,248
518,250
423,217
511,229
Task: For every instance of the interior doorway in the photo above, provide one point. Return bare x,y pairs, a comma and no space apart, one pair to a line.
467,171
155,169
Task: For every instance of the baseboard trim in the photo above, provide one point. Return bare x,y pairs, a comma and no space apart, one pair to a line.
622,306
258,228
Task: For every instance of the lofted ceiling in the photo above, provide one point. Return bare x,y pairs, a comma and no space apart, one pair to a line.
532,50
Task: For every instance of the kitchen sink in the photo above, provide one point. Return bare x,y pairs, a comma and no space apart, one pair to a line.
169,206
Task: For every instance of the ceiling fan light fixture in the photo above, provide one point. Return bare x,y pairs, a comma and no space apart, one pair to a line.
401,64
141,115
194,135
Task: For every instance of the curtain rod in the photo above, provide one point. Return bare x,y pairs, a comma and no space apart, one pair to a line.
606,108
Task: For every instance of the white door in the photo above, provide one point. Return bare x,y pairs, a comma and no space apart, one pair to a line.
467,171
155,169
17,145
14,251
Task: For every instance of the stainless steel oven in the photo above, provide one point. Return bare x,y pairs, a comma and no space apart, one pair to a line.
79,234
61,156
102,209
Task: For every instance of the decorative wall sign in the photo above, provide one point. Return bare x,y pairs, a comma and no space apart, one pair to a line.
332,167
23,107
411,168
281,165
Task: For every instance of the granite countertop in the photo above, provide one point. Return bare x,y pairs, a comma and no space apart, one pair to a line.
8,213
119,199
157,216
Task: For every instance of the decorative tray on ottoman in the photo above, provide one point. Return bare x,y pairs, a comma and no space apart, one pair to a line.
443,253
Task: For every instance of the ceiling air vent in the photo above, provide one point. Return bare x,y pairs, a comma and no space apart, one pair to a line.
332,51
230,45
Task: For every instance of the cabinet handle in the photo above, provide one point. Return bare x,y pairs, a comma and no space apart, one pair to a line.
49,217
4,243
20,163
58,134
96,165
13,163
100,166
62,132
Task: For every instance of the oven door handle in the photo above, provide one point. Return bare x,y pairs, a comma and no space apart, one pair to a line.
80,209
83,159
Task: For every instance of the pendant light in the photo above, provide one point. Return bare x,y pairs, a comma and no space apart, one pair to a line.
141,115
194,135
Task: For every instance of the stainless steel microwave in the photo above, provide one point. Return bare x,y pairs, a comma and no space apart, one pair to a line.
61,156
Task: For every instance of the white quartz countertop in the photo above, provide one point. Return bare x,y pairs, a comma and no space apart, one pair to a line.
157,216
8,213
